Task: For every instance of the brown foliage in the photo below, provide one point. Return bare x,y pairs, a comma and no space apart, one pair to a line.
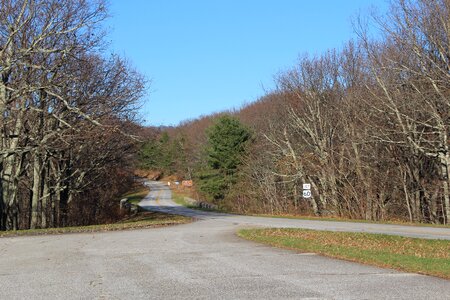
66,115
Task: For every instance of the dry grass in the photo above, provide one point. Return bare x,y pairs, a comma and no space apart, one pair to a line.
431,257
139,221
138,193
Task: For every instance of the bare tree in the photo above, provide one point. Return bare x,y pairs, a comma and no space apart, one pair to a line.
411,90
56,90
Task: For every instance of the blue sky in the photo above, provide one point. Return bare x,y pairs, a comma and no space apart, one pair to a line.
206,56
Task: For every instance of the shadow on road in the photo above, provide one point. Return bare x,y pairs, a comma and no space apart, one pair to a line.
181,210
160,200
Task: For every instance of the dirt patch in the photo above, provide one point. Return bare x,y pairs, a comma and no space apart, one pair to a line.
149,174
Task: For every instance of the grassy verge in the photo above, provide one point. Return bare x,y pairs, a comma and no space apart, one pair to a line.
431,257
337,219
179,193
137,194
179,199
141,220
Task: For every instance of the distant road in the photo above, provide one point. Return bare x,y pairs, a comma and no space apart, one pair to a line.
164,203
201,260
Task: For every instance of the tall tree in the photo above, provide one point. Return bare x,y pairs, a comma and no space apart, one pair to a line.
60,99
227,143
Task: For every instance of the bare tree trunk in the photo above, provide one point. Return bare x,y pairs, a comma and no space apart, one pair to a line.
35,192
45,196
445,167
405,190
11,170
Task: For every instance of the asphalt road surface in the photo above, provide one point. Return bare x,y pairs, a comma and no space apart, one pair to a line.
201,260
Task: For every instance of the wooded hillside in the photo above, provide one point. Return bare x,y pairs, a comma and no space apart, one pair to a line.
367,125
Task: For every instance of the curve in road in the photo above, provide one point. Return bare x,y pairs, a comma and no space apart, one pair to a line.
200,260
160,199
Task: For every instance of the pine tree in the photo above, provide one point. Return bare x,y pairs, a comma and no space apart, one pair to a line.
160,154
227,142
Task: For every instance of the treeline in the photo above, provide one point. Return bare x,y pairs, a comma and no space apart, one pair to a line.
367,126
66,112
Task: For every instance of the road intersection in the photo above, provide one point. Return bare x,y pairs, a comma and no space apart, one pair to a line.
200,260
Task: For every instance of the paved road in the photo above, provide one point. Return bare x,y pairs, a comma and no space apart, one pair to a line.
160,199
201,260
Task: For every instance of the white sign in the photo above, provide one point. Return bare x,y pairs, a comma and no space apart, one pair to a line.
307,194
306,186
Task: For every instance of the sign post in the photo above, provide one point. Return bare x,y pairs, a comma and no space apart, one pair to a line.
307,190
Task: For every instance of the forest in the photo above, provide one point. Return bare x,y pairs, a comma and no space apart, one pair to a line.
68,115
367,125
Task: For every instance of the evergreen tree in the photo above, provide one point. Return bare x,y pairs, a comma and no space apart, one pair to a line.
149,155
227,142
160,154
